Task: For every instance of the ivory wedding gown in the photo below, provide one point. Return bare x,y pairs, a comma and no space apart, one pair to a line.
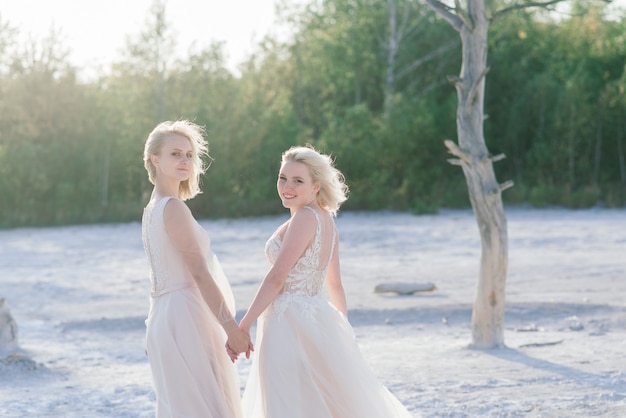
192,373
306,362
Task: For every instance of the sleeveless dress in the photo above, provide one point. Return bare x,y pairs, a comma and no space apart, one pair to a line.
306,362
192,373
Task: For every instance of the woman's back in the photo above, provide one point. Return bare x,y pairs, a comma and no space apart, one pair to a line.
167,270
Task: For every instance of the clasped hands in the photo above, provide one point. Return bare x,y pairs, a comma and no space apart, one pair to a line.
238,342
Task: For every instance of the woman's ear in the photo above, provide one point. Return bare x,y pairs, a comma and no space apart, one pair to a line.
155,160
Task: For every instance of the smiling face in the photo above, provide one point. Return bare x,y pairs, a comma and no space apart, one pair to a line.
175,159
295,185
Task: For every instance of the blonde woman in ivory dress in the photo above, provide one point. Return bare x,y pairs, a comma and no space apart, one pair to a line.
307,363
192,310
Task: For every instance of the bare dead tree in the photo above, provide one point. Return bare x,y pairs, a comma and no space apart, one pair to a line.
472,23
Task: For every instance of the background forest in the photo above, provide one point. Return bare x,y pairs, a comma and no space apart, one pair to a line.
359,79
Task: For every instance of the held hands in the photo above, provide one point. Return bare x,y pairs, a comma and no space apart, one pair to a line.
238,342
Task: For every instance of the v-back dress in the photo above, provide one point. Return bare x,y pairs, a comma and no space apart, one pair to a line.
192,373
306,362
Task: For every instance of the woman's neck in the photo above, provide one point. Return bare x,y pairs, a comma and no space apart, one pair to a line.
162,190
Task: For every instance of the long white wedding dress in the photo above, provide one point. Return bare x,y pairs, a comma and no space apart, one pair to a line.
306,362
192,373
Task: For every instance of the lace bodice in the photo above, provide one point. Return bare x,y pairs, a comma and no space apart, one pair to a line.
306,278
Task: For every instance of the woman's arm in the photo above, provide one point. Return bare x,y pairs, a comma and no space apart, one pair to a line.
180,227
297,238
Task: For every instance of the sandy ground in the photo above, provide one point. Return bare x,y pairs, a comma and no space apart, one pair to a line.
79,295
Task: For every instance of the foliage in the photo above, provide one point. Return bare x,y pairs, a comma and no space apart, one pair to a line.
71,151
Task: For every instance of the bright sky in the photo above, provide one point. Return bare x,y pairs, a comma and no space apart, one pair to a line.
96,30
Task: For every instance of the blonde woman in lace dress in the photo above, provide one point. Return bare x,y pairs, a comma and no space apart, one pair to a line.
191,313
307,362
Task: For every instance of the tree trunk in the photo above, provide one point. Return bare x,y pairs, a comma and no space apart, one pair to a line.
570,149
620,155
392,50
106,164
597,157
484,190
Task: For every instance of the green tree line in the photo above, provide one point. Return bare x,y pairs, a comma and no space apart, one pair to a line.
359,79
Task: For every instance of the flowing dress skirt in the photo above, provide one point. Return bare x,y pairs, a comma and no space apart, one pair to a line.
307,365
193,375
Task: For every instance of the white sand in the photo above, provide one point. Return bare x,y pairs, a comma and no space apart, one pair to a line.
79,296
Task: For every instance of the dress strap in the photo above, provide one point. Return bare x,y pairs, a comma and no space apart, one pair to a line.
160,204
318,228
318,231
332,245
317,217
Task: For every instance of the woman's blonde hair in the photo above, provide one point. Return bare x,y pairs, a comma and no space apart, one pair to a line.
333,189
195,134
